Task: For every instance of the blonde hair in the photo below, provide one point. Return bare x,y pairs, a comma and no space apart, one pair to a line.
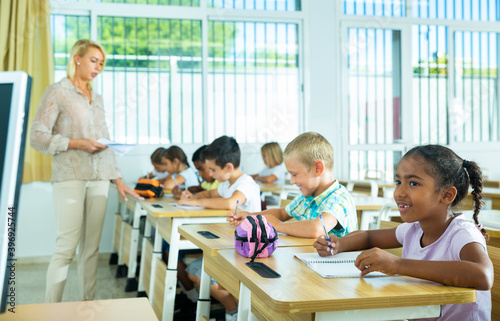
310,147
80,48
273,152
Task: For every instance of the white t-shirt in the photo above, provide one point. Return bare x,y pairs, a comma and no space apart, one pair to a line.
246,185
278,171
190,178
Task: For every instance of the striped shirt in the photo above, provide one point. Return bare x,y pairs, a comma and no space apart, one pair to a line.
335,200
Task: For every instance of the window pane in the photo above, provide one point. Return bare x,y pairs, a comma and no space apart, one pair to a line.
152,83
430,88
477,10
363,163
475,114
374,95
187,3
387,8
66,30
268,5
253,81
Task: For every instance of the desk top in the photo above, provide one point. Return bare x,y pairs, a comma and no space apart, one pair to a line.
301,290
167,210
270,187
103,310
368,203
226,237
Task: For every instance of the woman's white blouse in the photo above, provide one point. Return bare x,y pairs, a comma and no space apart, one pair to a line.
65,113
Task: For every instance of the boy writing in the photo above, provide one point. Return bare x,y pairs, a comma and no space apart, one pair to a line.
222,158
309,159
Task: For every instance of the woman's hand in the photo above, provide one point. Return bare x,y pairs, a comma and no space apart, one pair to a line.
124,189
236,219
87,145
376,259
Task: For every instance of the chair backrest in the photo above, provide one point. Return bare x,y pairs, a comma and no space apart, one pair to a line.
373,186
373,174
386,212
494,254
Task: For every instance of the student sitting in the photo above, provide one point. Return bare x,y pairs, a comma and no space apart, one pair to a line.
309,159
181,175
273,159
438,244
222,158
208,183
160,170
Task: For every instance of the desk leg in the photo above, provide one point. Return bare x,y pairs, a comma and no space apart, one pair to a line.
171,276
156,255
134,244
244,304
121,267
203,306
366,218
147,235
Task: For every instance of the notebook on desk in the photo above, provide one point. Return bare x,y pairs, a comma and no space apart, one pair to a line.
340,265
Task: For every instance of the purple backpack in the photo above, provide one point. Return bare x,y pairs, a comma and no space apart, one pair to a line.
255,237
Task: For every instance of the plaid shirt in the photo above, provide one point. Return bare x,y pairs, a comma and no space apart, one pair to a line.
335,200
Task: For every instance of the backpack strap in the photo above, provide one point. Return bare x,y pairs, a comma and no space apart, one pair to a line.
263,236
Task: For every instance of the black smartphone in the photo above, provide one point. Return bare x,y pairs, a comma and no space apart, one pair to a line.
208,235
263,270
156,205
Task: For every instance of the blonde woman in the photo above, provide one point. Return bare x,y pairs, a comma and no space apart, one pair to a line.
69,121
272,155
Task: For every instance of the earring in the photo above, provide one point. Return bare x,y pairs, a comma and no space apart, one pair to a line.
78,63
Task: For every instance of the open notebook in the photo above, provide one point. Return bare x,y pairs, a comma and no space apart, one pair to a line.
340,265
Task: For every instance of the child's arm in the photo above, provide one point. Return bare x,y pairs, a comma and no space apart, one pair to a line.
195,189
358,240
475,269
215,201
266,179
172,182
236,219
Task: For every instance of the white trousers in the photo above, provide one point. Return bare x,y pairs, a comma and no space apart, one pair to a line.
80,207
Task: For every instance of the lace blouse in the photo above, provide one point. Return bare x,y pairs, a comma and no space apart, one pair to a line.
65,113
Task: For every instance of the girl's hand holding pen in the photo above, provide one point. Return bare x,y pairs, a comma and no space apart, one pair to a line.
177,192
325,248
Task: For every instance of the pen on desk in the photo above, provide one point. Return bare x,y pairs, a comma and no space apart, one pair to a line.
326,232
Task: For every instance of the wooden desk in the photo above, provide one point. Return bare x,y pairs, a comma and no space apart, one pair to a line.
166,220
301,294
103,310
211,265
491,183
491,199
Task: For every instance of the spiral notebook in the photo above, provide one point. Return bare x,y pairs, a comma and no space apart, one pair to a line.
340,265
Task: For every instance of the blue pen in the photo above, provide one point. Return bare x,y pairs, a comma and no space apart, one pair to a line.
236,207
326,232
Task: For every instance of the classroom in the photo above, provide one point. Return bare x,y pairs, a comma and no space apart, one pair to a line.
374,78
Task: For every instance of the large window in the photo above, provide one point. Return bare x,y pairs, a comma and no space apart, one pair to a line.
450,95
183,77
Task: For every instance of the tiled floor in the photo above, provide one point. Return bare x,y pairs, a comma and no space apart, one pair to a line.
30,282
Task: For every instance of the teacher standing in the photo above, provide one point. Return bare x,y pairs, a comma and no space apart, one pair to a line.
69,120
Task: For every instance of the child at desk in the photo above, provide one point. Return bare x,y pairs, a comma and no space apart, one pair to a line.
208,183
309,159
273,159
159,167
181,174
222,158
438,244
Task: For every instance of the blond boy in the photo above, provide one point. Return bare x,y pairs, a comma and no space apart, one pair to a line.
309,160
